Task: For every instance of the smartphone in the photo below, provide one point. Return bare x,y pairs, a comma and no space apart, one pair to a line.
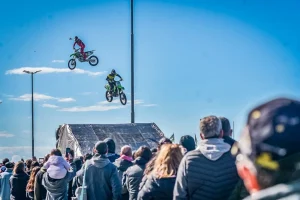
41,160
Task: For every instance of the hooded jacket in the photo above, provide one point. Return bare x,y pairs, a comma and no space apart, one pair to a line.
289,191
157,188
122,165
57,188
5,185
18,183
57,167
101,179
209,172
133,177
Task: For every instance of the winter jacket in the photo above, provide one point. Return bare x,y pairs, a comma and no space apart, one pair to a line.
39,190
133,177
5,185
18,183
57,189
112,157
157,189
122,165
289,191
30,195
101,178
209,172
57,167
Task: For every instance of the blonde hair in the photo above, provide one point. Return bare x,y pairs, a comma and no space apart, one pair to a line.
167,160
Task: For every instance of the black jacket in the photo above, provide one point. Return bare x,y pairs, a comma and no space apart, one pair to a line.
133,177
18,183
122,165
201,178
39,190
229,140
157,189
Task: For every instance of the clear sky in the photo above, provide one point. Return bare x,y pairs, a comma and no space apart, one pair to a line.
193,58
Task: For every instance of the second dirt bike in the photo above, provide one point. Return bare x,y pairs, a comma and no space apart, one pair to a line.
92,59
118,91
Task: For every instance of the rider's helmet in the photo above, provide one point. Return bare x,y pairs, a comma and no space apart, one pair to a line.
113,71
76,38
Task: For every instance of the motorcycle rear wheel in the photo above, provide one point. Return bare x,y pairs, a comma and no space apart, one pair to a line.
72,64
93,60
109,98
123,99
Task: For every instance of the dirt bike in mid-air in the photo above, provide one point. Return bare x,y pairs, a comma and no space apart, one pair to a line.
118,91
92,59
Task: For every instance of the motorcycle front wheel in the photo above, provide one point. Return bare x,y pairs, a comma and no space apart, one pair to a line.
72,64
93,60
109,98
123,99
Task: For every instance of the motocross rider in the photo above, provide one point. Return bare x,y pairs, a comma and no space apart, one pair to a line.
82,46
111,80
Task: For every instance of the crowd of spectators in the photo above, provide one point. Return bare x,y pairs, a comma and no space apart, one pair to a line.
263,164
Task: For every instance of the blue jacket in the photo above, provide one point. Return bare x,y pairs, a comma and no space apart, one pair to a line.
5,185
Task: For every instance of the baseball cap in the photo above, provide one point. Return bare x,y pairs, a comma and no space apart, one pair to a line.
272,133
101,147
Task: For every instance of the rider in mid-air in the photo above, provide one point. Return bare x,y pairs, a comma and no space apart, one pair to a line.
82,46
111,80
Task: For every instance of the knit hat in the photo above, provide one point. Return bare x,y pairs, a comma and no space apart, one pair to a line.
188,142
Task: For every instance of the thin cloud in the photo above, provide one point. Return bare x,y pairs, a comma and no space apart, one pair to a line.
58,61
95,108
45,105
49,70
149,105
88,93
40,97
6,134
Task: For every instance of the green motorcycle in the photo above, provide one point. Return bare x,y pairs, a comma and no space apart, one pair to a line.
92,59
117,91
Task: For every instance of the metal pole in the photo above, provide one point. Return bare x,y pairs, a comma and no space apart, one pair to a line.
32,115
132,65
233,129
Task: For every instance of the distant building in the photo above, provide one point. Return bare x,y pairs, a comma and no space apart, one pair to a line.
82,137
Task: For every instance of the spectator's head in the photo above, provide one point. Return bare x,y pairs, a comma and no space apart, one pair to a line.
30,184
188,142
46,157
126,150
34,159
268,151
87,156
34,164
163,141
227,131
101,148
78,163
28,163
55,152
110,145
9,165
211,127
168,160
4,161
19,168
143,152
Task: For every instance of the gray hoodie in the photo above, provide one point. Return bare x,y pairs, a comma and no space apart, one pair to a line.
213,148
57,189
101,179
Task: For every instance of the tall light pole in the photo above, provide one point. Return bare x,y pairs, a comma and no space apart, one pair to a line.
32,108
132,65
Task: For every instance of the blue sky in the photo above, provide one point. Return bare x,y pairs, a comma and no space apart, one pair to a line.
193,58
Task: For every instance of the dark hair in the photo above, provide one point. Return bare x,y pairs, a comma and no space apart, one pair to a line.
5,160
78,163
55,152
111,145
28,163
71,153
225,126
143,152
19,168
34,164
34,158
46,158
188,142
87,156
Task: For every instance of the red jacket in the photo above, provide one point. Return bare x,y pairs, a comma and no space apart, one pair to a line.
79,43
